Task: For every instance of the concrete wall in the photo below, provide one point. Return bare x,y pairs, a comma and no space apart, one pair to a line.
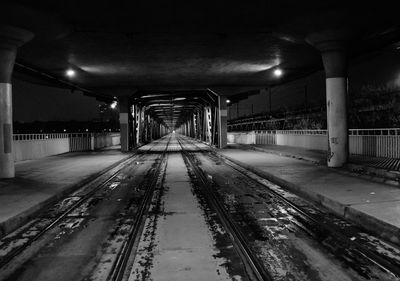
108,140
315,142
242,137
35,149
308,141
38,146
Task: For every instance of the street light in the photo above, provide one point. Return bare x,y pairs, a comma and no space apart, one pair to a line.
70,72
113,105
278,72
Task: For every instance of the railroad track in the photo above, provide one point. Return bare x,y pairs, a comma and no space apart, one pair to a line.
59,218
253,266
392,267
119,268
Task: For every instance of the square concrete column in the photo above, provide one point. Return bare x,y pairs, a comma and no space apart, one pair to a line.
222,122
10,39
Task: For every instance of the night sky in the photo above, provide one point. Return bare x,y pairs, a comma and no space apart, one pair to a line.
33,102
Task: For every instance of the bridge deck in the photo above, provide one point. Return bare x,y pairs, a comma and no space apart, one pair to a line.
39,181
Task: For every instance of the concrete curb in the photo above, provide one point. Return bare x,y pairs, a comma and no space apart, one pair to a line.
287,154
17,221
375,174
371,224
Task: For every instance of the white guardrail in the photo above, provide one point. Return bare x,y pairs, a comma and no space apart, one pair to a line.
34,146
367,142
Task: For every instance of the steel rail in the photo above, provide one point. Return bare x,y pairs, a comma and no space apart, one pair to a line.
360,249
119,267
254,267
5,260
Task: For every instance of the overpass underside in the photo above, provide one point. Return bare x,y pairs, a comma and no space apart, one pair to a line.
174,67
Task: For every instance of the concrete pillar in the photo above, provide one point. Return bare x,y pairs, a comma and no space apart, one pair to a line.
124,112
10,39
222,122
332,45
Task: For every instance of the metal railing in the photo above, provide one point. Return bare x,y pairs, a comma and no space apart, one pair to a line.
380,142
18,137
375,132
293,132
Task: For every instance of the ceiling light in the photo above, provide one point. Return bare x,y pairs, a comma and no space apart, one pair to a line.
160,104
278,72
70,73
228,101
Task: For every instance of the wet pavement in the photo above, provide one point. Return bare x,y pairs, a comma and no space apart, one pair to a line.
178,242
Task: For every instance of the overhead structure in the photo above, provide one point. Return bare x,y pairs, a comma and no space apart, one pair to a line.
171,65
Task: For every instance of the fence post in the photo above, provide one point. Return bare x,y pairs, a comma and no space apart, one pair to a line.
92,147
253,139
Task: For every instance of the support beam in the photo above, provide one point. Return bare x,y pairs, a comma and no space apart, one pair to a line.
10,39
191,123
332,45
138,127
133,125
194,120
222,122
124,112
208,124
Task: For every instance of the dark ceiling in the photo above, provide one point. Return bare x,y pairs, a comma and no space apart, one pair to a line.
227,46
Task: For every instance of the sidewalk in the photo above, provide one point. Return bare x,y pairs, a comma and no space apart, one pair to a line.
43,181
378,169
374,205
